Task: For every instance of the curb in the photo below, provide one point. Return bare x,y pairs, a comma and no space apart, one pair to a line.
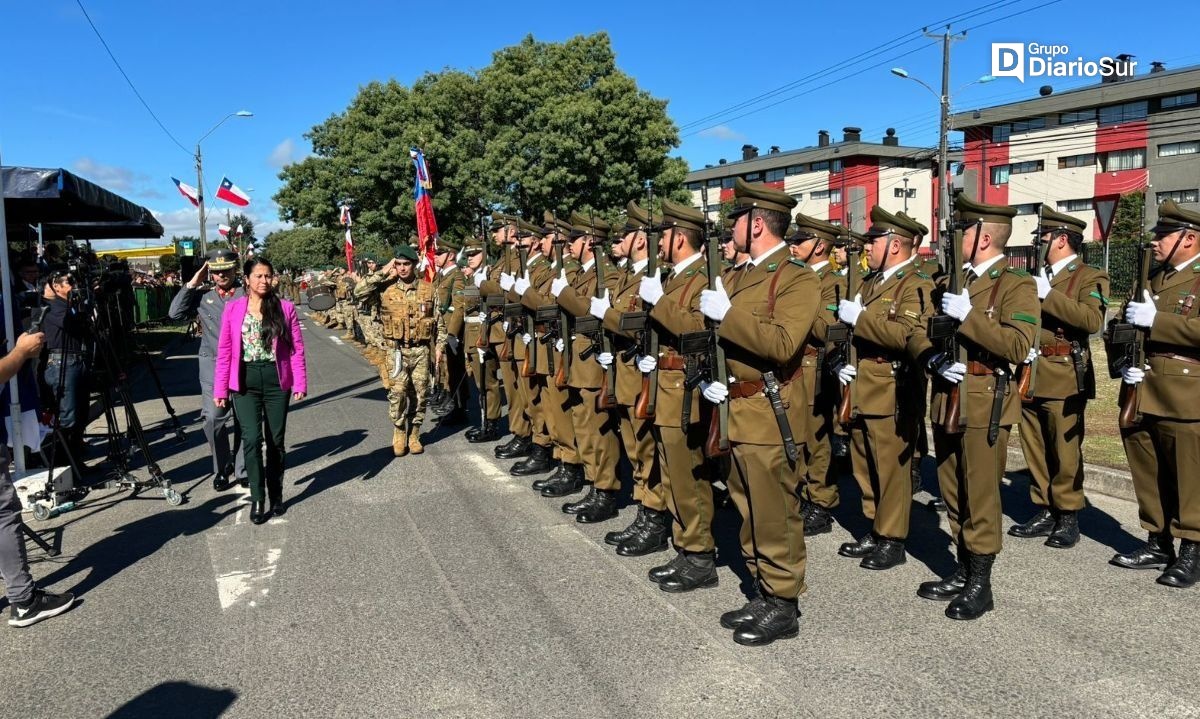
1102,480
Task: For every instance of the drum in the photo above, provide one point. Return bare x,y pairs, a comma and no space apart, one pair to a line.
321,299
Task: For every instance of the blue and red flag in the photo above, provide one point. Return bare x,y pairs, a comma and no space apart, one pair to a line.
427,230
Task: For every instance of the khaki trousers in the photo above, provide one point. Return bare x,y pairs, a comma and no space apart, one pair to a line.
880,452
686,489
1164,456
762,484
1052,439
638,439
596,433
969,474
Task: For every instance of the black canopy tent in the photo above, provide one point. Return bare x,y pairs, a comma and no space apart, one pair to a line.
68,205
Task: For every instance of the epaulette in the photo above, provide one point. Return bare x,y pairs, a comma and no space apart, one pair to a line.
1196,267
1072,267
1014,270
691,271
924,276
771,267
899,274
794,261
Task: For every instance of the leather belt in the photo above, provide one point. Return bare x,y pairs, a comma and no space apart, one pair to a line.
742,390
1058,349
980,369
811,351
1172,355
402,345
672,362
876,360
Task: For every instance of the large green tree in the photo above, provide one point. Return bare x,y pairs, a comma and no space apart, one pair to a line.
544,126
301,248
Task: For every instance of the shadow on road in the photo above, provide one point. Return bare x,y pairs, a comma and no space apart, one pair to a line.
177,699
361,466
1094,523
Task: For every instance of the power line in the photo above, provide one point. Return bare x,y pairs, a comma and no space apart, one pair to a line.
127,80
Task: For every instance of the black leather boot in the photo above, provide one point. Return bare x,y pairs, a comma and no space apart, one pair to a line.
737,618
1157,553
1184,571
859,548
1066,531
1039,525
220,483
616,537
539,461
258,511
513,441
661,572
697,571
582,504
538,484
781,620
570,482
947,588
975,599
522,447
488,431
275,505
654,536
603,508
888,553
817,521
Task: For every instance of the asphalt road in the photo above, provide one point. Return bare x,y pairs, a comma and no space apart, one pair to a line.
438,586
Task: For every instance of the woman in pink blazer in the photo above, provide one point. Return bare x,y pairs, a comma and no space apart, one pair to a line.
260,367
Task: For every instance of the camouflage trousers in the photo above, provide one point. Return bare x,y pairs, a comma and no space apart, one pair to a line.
406,398
372,331
343,314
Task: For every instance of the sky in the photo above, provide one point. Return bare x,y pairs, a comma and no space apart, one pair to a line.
64,103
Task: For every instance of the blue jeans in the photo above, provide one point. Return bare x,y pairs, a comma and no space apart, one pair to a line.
65,370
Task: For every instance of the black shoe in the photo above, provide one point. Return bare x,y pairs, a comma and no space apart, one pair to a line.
603,508
539,461
1185,570
654,536
818,521
538,484
947,588
779,621
1066,531
512,442
220,483
42,605
472,433
659,573
582,504
258,511
698,571
276,508
860,548
523,447
570,482
1039,525
975,599
1157,553
888,553
738,618
489,431
616,537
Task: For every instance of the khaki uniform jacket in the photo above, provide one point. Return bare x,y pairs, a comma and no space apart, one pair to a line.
1066,319
1001,338
1168,390
538,295
576,299
757,340
833,289
894,319
491,286
624,298
677,312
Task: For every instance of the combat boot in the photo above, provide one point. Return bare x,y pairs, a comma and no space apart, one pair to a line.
1066,531
516,448
859,548
888,553
698,571
780,620
975,599
489,431
512,442
1039,525
1157,553
414,442
615,538
399,441
817,521
943,590
658,574
538,461
538,484
653,536
1184,571
737,618
602,508
570,482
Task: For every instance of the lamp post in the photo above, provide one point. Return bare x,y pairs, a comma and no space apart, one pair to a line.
200,175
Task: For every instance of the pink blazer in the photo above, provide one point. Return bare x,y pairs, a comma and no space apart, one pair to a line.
293,376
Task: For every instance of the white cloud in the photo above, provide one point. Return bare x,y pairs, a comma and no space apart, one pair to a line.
110,177
722,132
283,155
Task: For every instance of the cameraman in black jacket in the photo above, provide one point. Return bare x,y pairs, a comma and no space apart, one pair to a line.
67,356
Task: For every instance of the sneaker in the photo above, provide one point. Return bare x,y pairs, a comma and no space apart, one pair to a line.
43,605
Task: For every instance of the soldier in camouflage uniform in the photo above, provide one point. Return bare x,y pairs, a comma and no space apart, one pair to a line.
407,316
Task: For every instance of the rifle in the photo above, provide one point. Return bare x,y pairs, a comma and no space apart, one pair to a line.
509,312
943,328
492,303
845,337
529,366
1027,373
648,339
717,443
565,330
1126,345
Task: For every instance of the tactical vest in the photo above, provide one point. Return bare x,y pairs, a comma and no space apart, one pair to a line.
342,289
406,312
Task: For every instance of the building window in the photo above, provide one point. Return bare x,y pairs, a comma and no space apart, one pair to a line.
794,169
1001,133
1000,175
1030,208
1118,160
775,175
835,196
820,194
1128,112
1070,118
714,183
727,183
900,192
1184,100
818,166
1180,196
753,177
1179,148
798,196
1088,160
1074,205
695,185
837,166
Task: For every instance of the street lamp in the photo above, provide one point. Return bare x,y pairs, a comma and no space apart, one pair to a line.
200,175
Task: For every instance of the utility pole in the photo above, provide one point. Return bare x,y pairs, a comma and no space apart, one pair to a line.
200,197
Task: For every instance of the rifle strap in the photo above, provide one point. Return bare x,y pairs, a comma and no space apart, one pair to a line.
685,297
991,305
771,294
896,297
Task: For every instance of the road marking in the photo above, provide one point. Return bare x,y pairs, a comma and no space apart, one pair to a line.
488,469
336,340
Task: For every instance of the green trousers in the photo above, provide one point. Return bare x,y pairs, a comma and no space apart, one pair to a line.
260,401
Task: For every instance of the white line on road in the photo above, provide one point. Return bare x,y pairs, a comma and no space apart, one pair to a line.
488,469
336,340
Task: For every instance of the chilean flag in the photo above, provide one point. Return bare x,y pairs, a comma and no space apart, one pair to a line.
232,194
224,230
187,191
347,222
427,230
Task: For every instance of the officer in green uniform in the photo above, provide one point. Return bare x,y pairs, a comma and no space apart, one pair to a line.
450,360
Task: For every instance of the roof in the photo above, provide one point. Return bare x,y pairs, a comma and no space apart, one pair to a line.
1169,82
832,151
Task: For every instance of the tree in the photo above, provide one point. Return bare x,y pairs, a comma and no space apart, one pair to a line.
168,263
302,248
1129,223
545,126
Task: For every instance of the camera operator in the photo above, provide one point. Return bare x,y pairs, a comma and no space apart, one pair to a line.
27,604
195,299
67,333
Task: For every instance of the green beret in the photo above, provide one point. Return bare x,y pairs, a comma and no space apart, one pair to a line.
589,224
682,216
810,228
552,223
967,210
1051,221
406,252
1172,218
919,230
885,223
750,195
448,244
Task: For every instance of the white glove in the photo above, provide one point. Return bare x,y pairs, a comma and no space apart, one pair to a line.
1133,375
647,364
483,315
951,371
558,285
477,278
504,326
847,372
520,285
1043,284
715,303
1034,353
482,354
600,305
957,306
506,281
849,310
650,290
714,392
605,359
526,338
1142,313
559,344
452,342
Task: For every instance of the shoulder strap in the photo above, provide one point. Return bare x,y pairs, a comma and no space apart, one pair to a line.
686,296
900,291
771,293
991,306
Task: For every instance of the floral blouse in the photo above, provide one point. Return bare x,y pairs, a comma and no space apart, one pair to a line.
252,349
